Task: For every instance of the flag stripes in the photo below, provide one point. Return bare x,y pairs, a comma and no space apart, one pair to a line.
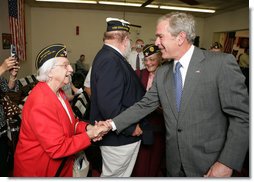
17,26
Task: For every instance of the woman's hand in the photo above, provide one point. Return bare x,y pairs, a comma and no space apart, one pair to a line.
96,132
14,72
9,64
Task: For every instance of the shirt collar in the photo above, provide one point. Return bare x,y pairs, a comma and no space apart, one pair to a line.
185,59
114,48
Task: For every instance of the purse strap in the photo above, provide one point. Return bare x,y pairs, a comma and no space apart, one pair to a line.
60,167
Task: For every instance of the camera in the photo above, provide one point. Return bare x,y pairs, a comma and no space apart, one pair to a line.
13,51
139,46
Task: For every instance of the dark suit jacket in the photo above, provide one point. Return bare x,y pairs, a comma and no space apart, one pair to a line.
115,87
213,124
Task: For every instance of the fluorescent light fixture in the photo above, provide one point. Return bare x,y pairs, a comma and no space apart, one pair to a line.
187,9
132,4
70,1
152,6
119,3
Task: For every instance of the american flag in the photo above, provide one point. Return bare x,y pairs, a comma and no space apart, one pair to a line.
17,26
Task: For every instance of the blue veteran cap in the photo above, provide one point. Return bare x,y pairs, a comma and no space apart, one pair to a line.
150,49
51,51
114,24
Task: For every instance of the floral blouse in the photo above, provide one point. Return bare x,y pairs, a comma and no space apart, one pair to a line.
3,89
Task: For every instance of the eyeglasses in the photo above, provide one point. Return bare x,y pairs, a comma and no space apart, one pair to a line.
65,65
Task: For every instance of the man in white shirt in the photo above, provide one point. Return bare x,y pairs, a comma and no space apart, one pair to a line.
87,83
136,57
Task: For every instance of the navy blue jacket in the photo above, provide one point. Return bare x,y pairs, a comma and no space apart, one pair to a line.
115,87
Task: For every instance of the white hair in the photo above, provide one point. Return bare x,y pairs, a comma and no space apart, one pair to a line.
43,71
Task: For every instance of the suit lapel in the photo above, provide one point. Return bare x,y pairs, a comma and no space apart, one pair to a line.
192,78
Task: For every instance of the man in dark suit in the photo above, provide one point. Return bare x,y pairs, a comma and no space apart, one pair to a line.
115,87
207,130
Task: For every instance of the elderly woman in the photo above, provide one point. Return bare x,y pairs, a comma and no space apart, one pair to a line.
10,64
49,131
149,160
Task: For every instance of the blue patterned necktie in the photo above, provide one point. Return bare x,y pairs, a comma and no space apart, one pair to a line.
178,85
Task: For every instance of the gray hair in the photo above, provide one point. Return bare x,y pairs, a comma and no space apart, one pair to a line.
180,22
43,71
117,35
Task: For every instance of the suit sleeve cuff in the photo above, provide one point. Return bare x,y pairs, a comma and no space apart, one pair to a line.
113,125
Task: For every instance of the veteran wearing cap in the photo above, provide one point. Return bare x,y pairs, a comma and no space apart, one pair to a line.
216,47
115,87
50,134
152,61
150,157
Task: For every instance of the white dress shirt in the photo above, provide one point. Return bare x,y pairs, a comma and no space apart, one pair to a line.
87,82
185,61
132,59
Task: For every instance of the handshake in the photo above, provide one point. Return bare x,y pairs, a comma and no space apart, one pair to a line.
97,131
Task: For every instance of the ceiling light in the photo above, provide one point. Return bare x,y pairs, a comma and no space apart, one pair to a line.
187,9
70,1
119,3
152,6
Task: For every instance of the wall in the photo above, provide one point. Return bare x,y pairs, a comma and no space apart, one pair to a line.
4,28
59,25
26,66
230,21
49,25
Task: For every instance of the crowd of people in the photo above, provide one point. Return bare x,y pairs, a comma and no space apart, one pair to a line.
163,109
10,65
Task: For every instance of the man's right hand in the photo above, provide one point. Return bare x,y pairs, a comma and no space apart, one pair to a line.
106,123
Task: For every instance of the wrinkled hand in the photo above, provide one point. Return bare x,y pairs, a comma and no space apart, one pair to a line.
104,123
219,170
107,127
96,132
9,63
138,131
102,131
